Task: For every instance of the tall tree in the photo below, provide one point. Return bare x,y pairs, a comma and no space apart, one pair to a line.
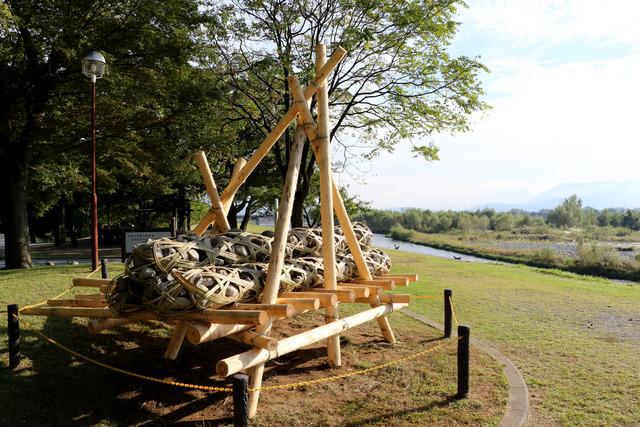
43,97
397,83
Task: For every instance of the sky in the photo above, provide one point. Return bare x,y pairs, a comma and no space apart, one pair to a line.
564,88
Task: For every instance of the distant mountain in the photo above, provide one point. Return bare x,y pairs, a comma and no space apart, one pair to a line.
598,195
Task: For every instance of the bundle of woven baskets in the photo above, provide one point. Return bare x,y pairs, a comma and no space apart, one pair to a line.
175,275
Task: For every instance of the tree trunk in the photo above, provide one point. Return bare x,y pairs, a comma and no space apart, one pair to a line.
59,232
247,215
14,168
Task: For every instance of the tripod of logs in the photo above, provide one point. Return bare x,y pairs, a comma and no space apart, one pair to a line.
251,323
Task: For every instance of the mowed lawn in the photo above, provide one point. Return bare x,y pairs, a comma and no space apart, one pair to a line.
575,339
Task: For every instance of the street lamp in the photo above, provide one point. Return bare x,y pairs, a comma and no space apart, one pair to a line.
93,65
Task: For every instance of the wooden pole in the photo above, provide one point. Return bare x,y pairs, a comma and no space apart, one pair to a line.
273,136
13,330
198,333
96,325
257,357
341,212
176,341
464,333
326,206
274,270
447,312
89,283
216,205
240,162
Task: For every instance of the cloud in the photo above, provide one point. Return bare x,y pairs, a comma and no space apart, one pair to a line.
569,119
525,22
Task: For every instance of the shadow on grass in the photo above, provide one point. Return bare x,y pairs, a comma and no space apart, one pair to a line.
51,387
381,418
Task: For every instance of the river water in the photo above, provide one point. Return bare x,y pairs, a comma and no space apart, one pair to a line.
382,241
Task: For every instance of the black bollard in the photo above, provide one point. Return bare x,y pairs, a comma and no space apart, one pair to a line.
463,361
447,312
13,329
104,268
240,400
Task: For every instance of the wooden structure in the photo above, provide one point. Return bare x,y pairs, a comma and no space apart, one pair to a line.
251,323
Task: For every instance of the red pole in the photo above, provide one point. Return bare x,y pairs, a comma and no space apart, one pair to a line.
94,193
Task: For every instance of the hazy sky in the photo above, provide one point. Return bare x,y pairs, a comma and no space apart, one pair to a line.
565,91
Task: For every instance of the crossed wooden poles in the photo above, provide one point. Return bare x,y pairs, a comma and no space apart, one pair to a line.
238,321
330,201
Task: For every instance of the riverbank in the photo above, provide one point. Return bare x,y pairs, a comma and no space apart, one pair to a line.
593,259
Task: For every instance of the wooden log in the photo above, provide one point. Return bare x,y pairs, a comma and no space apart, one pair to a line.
198,333
395,298
278,246
90,283
274,310
344,295
96,325
248,359
399,280
373,290
300,304
384,284
240,162
326,299
76,303
334,357
228,317
372,300
256,340
413,277
95,297
359,291
212,190
176,341
273,136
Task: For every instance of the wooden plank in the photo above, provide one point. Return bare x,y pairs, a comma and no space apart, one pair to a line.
76,303
90,283
99,297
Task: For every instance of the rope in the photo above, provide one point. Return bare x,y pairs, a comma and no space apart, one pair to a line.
453,312
229,389
66,291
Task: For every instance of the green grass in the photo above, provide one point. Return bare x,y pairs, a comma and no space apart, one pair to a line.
575,339
51,387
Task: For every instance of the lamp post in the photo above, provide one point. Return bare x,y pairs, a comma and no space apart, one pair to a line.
93,65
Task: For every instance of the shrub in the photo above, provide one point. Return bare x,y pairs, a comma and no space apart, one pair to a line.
547,256
398,232
595,256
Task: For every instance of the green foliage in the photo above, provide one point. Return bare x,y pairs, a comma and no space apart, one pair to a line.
398,232
567,214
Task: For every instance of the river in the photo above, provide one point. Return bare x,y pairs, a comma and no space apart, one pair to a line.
382,241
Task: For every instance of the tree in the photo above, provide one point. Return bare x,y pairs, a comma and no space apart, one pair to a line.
43,112
397,83
567,214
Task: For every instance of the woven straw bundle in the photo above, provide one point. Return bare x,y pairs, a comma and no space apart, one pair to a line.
170,276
